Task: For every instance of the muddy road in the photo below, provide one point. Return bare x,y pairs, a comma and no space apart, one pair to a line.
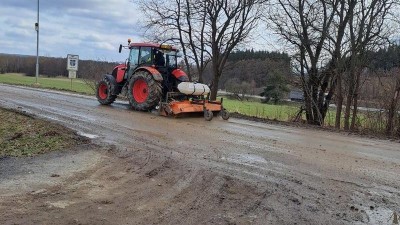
146,169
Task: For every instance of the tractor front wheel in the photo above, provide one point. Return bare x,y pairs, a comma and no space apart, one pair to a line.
144,92
104,92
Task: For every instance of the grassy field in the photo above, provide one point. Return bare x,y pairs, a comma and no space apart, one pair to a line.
261,110
22,135
78,85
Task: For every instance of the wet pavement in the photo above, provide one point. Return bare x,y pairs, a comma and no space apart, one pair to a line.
221,172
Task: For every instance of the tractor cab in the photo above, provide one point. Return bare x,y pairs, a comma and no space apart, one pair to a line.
154,55
157,59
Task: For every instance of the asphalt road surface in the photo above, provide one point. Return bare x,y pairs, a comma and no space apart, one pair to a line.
147,169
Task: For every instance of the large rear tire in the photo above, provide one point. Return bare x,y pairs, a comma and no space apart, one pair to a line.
104,92
144,93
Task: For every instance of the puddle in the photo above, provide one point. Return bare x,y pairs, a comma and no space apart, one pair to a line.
378,216
90,136
252,160
245,159
60,204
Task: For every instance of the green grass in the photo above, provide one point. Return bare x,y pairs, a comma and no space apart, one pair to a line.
22,135
282,112
78,85
257,109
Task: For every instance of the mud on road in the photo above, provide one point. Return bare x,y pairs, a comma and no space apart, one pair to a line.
145,169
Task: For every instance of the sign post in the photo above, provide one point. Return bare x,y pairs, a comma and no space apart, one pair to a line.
72,66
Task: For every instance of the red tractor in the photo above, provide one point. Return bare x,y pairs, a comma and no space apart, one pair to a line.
152,80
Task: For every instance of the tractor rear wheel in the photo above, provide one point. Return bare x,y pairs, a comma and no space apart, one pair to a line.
144,92
104,92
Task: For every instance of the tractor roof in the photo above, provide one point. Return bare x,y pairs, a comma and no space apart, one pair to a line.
153,45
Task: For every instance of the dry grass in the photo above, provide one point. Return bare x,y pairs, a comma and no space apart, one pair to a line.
24,135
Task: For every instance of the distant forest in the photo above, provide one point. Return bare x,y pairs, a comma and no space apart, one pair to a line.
248,71
386,59
51,66
249,68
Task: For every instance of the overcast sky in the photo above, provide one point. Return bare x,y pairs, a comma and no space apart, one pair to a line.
92,29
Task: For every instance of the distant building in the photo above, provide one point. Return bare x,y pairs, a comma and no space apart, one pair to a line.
296,95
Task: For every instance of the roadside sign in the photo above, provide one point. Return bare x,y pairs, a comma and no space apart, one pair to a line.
72,65
72,62
71,74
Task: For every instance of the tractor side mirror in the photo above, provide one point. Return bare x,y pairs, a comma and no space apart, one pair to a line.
120,48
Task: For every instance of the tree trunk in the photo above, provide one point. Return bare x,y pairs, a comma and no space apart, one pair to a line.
307,103
347,111
313,85
215,81
339,102
350,96
392,112
355,101
354,112
214,88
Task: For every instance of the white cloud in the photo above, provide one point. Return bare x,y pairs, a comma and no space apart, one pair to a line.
92,28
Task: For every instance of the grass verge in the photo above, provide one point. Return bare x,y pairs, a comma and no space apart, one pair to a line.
57,83
262,110
24,135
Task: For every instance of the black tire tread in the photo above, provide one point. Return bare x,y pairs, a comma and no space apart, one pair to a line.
110,97
154,89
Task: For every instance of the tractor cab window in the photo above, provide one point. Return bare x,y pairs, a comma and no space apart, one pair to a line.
134,56
145,55
171,59
159,59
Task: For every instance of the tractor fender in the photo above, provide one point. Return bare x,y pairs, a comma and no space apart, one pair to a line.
153,71
180,75
113,82
119,72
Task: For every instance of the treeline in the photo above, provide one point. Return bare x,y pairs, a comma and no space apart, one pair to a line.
51,66
249,71
385,58
258,55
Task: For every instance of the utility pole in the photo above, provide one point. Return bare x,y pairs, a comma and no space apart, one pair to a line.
37,43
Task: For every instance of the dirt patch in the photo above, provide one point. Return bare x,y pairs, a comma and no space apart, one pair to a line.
124,189
22,134
142,187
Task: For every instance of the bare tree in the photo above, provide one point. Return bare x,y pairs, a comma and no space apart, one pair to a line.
368,31
305,25
207,30
393,104
331,39
337,66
